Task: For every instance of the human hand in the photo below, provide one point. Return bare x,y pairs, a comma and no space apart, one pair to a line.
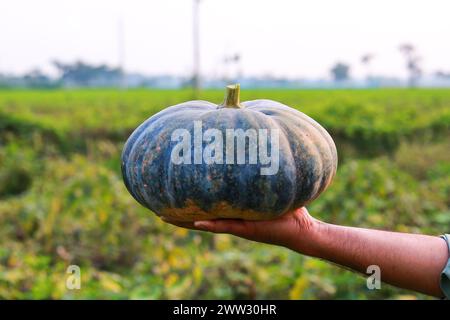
294,229
410,261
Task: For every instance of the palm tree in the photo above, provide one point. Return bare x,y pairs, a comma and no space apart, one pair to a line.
366,59
412,63
229,62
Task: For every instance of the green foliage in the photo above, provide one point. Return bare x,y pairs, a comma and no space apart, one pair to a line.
383,196
371,121
62,200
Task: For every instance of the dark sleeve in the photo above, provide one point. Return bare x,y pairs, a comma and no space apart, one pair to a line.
445,275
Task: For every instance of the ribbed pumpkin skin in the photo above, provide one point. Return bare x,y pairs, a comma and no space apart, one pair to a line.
189,192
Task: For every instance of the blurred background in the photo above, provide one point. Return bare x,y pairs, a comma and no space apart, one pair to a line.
77,77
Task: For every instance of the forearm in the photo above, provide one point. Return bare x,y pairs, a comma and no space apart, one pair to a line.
406,260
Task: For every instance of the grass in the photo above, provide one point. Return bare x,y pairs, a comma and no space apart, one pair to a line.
62,200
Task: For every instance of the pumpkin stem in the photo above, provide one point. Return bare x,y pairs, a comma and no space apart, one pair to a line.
232,97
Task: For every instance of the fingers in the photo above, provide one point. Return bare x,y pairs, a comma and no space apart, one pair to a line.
182,224
283,230
266,231
236,227
271,232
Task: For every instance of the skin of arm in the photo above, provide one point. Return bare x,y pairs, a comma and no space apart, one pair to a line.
409,261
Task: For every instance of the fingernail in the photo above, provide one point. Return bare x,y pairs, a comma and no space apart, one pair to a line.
201,224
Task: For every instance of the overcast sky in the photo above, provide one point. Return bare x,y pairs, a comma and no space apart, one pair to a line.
292,38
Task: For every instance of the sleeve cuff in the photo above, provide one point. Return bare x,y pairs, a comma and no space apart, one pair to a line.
445,275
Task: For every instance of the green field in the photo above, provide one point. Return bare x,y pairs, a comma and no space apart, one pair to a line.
62,200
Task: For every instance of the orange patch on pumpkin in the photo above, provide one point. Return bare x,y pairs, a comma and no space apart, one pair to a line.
220,210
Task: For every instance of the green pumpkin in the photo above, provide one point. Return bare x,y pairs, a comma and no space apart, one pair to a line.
196,160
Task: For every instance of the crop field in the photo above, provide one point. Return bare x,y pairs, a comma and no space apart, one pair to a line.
63,202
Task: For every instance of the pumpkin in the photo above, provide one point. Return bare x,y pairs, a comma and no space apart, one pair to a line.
186,162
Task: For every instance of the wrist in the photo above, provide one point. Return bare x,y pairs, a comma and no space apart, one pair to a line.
310,238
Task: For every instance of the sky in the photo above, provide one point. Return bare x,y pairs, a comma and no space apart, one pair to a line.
283,38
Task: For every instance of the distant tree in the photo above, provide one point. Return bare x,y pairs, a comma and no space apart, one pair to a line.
234,58
442,74
7,81
231,62
83,74
37,79
366,59
340,71
412,63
